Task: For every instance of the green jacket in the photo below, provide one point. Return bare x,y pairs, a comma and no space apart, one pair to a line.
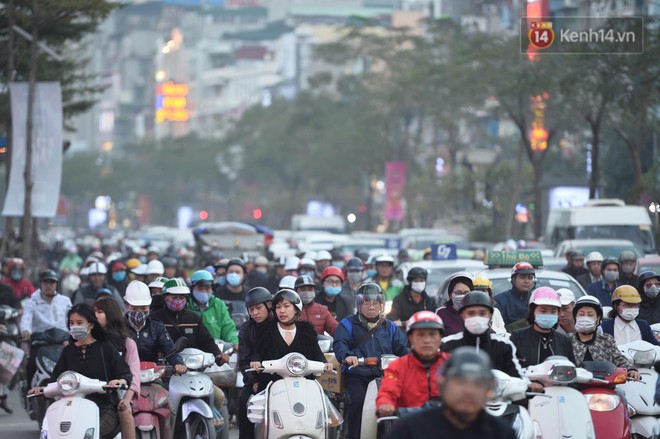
394,287
216,318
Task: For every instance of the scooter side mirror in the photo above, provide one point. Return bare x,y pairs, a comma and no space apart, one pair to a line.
180,344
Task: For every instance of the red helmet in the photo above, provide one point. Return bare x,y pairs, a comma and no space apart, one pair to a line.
16,263
425,320
332,271
522,268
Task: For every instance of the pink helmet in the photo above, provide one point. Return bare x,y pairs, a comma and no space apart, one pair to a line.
545,296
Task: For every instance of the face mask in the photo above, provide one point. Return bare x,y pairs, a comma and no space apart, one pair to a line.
119,276
477,325
611,276
585,325
221,280
201,296
338,264
371,273
174,303
136,318
652,291
457,301
629,314
332,291
627,269
546,321
307,273
418,287
307,297
263,270
16,275
79,332
354,277
234,279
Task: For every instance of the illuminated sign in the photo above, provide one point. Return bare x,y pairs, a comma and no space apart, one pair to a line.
538,136
172,103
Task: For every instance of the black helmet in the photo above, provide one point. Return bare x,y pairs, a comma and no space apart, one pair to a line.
610,260
257,295
588,301
304,281
362,253
354,264
644,276
49,275
291,296
476,298
416,272
627,256
236,261
369,291
467,362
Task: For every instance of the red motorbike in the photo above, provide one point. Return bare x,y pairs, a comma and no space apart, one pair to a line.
609,411
151,410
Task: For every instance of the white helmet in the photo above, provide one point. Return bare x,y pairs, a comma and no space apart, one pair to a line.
385,258
566,296
155,267
307,262
288,282
140,270
323,255
96,268
292,263
137,294
594,257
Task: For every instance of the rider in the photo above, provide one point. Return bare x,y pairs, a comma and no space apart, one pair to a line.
354,276
603,289
214,312
477,314
628,261
235,275
482,283
338,304
512,303
594,259
365,334
648,287
413,298
623,324
156,290
89,293
22,287
566,319
410,381
315,313
459,285
575,266
385,277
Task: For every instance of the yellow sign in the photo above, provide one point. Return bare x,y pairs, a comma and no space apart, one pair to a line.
172,103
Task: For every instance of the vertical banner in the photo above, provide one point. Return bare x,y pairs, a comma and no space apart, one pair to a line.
46,149
395,183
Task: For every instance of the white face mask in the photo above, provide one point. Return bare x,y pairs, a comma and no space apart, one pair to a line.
629,314
418,286
477,325
585,325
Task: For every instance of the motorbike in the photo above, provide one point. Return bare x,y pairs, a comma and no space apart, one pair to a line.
74,416
10,334
609,411
293,406
225,377
150,410
511,389
644,412
561,412
370,423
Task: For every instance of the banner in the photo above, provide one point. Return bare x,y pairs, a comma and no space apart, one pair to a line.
395,182
46,149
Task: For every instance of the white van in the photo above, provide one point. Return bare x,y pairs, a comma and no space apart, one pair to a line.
602,219
332,224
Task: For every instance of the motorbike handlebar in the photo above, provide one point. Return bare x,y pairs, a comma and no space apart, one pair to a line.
119,387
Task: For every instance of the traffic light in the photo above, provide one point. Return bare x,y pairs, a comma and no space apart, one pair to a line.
257,213
203,215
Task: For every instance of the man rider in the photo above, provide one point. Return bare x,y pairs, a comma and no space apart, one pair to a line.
603,289
512,303
89,293
566,319
214,312
312,312
575,265
16,279
594,259
354,276
339,305
628,261
385,277
235,275
413,298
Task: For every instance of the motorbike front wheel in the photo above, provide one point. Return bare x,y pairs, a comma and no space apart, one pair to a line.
199,427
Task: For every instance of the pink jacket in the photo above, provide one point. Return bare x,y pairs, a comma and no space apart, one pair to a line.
133,360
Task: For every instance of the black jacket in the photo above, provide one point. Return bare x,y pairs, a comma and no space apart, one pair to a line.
628,279
528,346
247,343
341,307
574,271
403,306
187,324
88,294
501,351
153,339
224,294
649,309
271,346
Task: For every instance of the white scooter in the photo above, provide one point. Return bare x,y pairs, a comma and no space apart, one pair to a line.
293,406
369,427
73,416
640,394
561,412
191,397
511,389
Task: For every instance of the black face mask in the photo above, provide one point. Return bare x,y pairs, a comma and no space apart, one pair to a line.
157,302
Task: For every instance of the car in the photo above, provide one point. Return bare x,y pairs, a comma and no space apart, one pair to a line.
607,247
648,263
439,270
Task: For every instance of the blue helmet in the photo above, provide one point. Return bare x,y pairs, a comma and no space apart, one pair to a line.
201,277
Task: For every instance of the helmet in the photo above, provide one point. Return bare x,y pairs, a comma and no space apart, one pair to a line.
158,282
332,271
140,270
236,261
287,282
476,298
522,268
291,263
385,259
354,264
256,296
610,260
117,266
362,253
290,295
170,261
307,263
644,276
304,281
627,256
153,250
594,257
201,278
16,263
137,294
545,296
467,362
626,293
222,263
425,320
482,283
588,301
49,275
175,286
369,291
261,260
133,263
577,254
416,272
566,296
155,267
97,268
323,255
462,277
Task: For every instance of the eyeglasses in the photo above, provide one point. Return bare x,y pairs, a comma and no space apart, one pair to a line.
460,293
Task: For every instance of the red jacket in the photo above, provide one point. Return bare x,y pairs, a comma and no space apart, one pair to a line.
22,288
407,383
319,316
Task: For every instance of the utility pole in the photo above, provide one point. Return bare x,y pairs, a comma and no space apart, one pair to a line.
11,73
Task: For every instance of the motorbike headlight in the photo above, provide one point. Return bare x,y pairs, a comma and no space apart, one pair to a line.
296,365
147,375
193,361
68,383
600,402
642,358
562,374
